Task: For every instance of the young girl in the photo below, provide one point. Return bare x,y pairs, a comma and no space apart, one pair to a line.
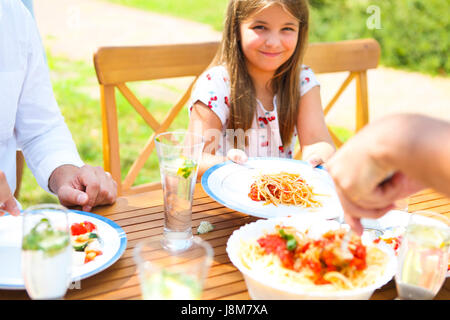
257,97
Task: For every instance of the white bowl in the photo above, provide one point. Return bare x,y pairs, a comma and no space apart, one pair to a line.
262,287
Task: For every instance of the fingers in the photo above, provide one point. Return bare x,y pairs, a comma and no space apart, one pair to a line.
355,224
10,206
87,187
107,192
100,187
69,196
237,155
353,212
7,201
315,161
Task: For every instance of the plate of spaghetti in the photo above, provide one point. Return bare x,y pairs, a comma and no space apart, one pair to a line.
273,187
301,258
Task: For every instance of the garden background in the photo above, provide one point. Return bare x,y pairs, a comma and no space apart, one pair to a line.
413,75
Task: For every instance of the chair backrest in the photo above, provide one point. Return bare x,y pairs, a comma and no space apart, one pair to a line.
354,57
115,66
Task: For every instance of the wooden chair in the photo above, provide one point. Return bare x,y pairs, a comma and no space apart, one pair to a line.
354,57
115,66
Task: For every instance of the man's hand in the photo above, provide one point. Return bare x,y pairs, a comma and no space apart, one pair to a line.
86,186
7,201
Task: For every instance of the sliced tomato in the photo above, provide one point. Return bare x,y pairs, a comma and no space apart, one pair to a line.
89,226
77,229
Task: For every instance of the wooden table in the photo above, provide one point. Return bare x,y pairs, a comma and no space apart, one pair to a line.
141,217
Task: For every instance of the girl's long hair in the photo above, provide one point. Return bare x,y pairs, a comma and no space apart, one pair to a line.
286,81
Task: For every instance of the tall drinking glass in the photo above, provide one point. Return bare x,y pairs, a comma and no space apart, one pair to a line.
179,154
46,251
172,275
423,256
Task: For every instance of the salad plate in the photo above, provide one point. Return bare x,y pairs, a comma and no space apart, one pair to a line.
112,239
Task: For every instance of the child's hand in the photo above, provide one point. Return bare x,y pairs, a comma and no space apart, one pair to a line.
237,155
315,161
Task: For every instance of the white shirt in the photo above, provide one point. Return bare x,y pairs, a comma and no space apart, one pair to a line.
29,115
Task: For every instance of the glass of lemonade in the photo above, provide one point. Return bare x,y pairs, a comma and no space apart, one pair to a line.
172,275
423,256
46,251
179,154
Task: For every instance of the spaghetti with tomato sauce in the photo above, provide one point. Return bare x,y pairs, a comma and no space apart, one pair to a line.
283,188
296,257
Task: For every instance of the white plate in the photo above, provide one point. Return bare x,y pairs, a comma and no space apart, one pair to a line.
229,184
113,237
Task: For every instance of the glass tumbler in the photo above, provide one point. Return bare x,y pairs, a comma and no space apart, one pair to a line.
179,154
46,251
423,256
172,275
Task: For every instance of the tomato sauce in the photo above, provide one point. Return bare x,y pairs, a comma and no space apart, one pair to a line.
324,249
275,244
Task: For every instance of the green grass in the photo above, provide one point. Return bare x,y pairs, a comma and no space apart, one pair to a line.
205,11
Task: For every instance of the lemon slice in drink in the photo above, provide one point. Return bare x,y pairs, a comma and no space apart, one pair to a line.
186,167
428,236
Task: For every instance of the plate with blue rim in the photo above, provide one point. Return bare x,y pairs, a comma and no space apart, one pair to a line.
113,239
229,184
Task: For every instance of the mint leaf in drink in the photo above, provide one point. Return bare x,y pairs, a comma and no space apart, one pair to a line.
43,237
186,168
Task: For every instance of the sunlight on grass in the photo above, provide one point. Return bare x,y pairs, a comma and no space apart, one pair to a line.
204,11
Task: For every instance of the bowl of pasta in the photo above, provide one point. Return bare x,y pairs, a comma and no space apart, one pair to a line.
302,258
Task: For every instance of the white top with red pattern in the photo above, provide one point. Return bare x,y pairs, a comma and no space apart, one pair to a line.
264,140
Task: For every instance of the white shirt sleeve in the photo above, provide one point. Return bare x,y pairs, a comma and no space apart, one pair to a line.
308,80
40,129
213,89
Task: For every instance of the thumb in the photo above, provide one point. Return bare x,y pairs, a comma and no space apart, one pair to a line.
69,196
237,156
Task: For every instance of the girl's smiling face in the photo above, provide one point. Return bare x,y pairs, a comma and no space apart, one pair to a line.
268,39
